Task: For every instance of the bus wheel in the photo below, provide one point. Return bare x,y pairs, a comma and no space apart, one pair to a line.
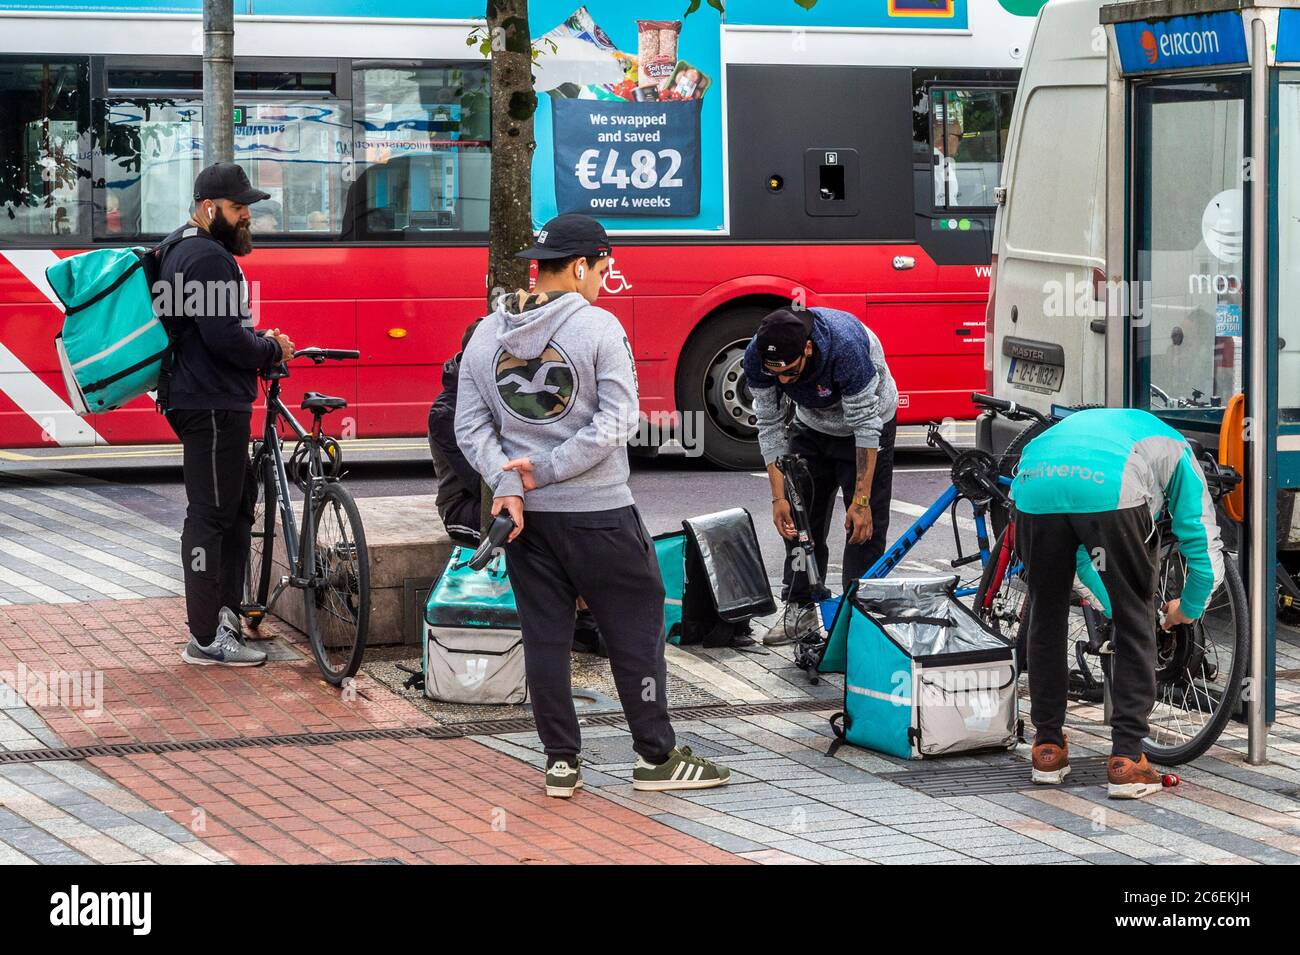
711,387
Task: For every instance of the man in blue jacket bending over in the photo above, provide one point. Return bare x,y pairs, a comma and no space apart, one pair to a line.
1087,494
832,368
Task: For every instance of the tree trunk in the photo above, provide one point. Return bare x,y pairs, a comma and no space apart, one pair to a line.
218,81
510,227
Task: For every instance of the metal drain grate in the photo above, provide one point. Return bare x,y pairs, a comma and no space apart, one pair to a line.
206,745
992,780
718,712
448,731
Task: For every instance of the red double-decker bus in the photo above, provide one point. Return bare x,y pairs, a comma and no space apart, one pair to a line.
852,166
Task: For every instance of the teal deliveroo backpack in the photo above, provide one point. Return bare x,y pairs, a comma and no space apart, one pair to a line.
113,346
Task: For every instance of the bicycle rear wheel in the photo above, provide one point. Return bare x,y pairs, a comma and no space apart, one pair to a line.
1200,667
338,607
261,549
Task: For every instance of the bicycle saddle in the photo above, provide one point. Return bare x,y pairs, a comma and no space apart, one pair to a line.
315,401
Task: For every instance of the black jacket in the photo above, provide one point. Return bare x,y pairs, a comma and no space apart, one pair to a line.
216,353
458,482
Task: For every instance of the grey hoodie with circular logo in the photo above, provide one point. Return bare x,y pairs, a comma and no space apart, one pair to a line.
553,381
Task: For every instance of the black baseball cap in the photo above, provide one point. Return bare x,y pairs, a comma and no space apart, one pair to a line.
782,336
569,235
225,180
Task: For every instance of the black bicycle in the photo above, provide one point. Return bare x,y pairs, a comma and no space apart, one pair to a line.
325,555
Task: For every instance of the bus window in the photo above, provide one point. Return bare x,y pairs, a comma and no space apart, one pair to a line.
423,151
1188,255
147,153
300,155
968,139
43,123
150,150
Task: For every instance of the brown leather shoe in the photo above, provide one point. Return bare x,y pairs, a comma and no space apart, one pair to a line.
1051,763
1131,780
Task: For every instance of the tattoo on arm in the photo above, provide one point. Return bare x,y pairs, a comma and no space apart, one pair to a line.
866,468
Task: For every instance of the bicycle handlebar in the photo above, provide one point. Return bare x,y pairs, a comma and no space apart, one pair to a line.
1007,408
1220,479
319,355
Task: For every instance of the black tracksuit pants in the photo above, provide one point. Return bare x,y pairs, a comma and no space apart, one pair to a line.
608,558
833,465
1124,552
222,492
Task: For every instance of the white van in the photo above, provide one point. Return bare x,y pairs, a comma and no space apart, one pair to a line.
1045,339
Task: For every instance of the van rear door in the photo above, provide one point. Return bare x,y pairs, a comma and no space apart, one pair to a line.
1048,323
1050,327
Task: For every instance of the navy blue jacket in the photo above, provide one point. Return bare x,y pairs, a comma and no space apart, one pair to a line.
216,354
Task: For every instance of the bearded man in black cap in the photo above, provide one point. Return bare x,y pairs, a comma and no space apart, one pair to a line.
207,390
832,368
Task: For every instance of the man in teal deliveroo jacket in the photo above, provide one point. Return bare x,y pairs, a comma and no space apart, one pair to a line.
1087,493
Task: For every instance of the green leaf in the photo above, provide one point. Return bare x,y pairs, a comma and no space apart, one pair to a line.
806,4
695,5
717,5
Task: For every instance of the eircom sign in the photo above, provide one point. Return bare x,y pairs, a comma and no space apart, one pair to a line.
1179,43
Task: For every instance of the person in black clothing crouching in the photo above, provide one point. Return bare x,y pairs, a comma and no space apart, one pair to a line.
207,392
459,485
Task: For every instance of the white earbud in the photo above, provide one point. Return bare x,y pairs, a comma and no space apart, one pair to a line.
582,271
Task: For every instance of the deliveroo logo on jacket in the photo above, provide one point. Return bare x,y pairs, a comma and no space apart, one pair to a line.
539,389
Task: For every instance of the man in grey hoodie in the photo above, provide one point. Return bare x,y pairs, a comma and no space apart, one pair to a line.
547,403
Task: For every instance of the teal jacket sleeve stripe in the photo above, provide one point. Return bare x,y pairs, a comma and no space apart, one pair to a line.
1091,580
1195,526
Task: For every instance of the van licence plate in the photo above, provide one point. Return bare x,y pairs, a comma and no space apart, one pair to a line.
1035,375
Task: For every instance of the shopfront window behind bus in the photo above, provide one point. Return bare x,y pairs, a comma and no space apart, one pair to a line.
423,149
968,138
1288,260
43,175
150,150
1187,303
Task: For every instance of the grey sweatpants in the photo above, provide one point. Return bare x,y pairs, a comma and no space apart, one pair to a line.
608,558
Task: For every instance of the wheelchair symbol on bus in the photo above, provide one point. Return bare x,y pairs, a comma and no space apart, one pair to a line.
615,281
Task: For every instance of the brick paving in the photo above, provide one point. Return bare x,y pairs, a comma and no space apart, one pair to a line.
150,695
427,800
439,801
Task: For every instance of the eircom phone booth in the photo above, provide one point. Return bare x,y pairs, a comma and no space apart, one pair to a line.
1203,239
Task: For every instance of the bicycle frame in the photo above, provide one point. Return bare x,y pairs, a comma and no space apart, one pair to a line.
296,542
894,555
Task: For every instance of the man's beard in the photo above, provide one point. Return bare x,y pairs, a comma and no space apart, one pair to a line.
237,239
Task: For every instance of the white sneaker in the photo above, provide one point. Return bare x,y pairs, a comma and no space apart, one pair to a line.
795,622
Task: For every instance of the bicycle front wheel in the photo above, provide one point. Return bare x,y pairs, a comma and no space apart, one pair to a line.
338,605
261,549
1200,667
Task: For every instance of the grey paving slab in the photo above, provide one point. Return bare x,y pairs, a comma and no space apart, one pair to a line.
726,841
811,851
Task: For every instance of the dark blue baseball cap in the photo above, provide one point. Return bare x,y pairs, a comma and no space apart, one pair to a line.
569,235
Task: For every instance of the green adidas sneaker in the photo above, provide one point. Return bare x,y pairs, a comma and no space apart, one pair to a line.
563,780
681,770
